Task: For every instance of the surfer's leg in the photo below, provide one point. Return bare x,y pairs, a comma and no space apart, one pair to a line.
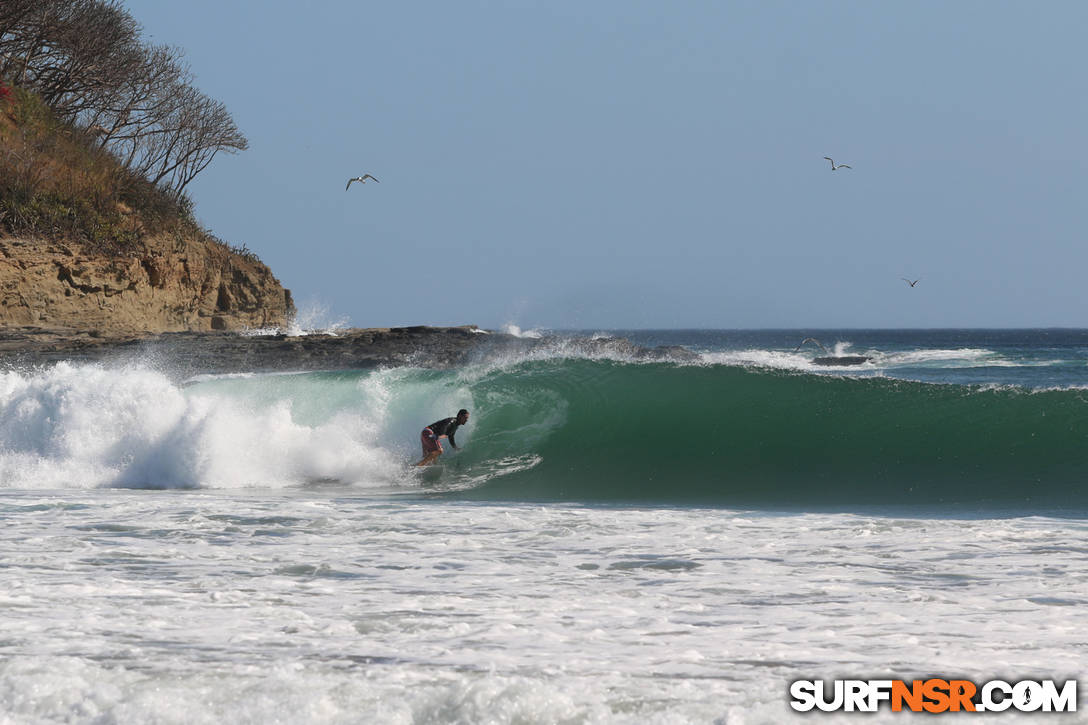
431,447
429,458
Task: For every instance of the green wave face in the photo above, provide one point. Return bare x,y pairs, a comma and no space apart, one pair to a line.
610,431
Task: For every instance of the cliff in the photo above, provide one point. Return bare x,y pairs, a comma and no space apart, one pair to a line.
87,246
159,284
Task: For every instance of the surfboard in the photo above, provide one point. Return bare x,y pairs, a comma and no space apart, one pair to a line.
429,473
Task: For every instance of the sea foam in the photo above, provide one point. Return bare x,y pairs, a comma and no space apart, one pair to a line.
93,426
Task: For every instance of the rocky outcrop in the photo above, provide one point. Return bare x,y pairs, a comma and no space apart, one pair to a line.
182,354
159,285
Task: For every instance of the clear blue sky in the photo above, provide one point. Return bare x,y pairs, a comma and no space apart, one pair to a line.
623,163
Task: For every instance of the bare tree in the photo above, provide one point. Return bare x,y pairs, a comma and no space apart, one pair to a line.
141,100
14,17
27,44
211,130
85,59
199,129
90,54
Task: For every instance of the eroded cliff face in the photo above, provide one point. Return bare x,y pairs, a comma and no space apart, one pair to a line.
163,284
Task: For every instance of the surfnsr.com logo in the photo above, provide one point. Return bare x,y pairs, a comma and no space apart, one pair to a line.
933,695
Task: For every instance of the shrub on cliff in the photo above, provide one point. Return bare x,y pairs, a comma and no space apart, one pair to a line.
55,182
85,59
99,133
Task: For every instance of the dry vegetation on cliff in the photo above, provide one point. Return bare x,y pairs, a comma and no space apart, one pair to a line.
101,122
57,183
86,244
99,136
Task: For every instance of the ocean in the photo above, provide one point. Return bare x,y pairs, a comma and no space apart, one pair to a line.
615,540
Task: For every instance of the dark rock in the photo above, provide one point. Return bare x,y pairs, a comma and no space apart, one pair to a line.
841,360
183,354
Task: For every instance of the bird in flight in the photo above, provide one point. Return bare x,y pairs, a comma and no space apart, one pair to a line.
909,282
833,166
361,179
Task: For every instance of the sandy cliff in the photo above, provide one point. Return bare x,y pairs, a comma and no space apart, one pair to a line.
91,248
162,284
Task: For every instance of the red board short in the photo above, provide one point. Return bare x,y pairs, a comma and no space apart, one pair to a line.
429,441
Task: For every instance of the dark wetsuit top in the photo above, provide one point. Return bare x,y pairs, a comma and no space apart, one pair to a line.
445,427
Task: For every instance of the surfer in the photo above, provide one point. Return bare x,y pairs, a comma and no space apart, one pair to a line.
445,428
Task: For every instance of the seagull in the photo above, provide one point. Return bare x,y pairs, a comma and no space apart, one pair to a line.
812,339
911,283
361,179
833,166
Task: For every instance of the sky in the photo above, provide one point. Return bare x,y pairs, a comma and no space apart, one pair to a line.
617,164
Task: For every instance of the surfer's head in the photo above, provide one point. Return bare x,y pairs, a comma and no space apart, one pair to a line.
462,416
